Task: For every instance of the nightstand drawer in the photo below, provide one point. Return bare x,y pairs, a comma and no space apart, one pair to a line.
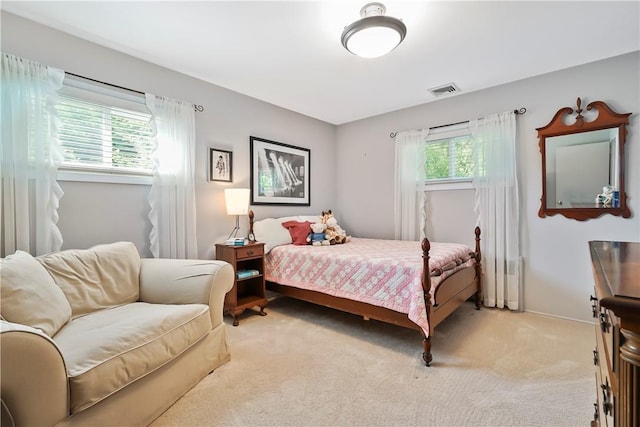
250,251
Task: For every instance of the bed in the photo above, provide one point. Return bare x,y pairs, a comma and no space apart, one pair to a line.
410,284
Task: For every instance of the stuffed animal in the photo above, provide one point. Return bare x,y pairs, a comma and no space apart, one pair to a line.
317,237
334,232
606,197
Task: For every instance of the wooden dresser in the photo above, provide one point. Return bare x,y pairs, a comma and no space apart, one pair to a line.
616,306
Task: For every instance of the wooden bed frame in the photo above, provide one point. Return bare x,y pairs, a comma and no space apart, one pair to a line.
450,294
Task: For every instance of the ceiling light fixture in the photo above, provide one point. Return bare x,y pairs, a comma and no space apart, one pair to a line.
375,34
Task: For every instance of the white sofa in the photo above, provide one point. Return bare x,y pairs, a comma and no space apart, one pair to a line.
103,337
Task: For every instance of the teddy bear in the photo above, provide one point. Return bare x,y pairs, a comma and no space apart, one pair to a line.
335,234
317,237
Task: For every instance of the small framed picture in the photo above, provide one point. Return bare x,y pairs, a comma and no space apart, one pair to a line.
220,165
279,173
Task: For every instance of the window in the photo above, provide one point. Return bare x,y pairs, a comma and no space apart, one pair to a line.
103,133
449,159
449,155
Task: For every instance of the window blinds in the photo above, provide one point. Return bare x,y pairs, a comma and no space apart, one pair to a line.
99,133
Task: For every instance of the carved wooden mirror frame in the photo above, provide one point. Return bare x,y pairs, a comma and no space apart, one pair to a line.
606,119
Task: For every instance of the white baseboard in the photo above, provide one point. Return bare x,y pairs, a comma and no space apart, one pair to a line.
560,317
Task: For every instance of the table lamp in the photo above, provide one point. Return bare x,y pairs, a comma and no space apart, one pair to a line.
237,201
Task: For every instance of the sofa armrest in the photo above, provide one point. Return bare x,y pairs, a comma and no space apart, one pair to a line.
34,385
183,281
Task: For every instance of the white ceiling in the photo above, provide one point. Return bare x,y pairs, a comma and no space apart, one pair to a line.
288,53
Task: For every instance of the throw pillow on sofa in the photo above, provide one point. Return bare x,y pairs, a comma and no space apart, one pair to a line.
99,277
30,296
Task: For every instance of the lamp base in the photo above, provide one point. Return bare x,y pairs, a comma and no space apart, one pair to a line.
234,233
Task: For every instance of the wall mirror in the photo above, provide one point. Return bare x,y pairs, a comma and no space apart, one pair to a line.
583,163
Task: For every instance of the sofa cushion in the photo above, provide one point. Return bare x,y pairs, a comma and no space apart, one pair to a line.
108,349
96,278
30,296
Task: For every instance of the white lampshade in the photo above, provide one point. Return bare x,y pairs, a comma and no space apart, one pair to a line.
237,201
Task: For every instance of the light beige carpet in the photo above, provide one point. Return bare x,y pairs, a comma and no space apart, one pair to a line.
304,365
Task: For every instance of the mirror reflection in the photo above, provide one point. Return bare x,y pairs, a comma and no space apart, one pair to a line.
582,169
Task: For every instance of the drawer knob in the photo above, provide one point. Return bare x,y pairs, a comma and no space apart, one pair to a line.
594,306
604,322
596,360
249,252
606,405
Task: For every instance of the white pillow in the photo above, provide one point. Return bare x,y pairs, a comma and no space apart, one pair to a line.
271,232
30,296
310,218
99,277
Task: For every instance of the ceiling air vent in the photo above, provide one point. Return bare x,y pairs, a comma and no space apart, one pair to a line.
444,90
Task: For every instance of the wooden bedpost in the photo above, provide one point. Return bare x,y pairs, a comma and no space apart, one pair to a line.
478,267
251,215
426,289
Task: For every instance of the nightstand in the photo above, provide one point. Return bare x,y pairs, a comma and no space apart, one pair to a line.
248,286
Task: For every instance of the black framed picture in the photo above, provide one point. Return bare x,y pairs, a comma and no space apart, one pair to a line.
220,165
279,173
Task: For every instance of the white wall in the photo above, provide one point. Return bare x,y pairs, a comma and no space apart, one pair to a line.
96,213
558,278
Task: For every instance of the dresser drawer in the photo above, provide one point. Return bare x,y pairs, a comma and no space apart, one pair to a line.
604,392
251,251
604,336
598,418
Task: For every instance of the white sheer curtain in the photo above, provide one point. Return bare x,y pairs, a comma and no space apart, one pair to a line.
496,203
172,195
29,157
409,209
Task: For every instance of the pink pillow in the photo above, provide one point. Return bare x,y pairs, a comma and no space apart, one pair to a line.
299,231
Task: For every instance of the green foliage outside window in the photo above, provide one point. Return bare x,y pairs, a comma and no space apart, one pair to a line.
266,182
450,158
127,152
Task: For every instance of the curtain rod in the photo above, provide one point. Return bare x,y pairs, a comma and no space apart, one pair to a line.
520,111
196,107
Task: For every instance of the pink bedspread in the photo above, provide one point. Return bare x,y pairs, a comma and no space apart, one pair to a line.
385,273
